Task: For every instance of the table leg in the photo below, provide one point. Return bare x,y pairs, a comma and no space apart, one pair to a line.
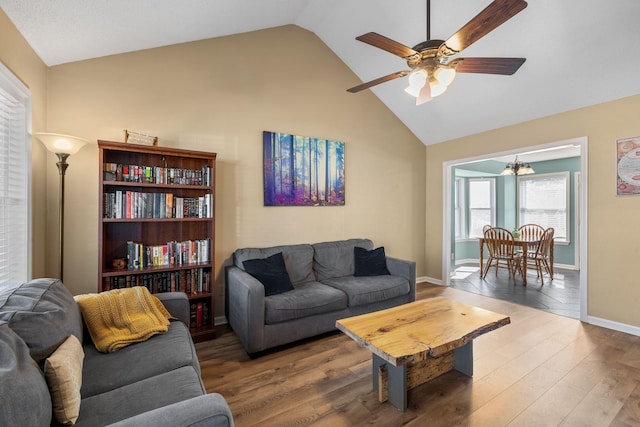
396,380
481,240
551,260
464,359
525,249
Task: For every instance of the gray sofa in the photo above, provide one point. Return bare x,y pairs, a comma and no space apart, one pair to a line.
152,383
324,290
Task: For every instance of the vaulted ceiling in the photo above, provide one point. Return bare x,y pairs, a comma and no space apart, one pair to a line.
579,52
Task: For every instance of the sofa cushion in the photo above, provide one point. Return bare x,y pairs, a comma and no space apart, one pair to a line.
370,263
271,272
103,372
24,396
297,258
305,300
336,259
141,396
43,313
63,372
368,290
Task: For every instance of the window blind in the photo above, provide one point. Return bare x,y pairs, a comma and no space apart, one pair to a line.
15,179
544,201
481,205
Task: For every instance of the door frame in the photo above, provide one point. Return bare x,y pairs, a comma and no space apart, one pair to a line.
581,211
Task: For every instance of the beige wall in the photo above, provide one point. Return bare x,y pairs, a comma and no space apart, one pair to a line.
18,56
219,95
613,241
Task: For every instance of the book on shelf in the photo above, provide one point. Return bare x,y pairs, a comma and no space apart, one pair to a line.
142,205
190,281
188,252
157,175
199,314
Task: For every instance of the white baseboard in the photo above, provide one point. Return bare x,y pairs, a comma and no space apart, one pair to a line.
220,320
616,326
430,280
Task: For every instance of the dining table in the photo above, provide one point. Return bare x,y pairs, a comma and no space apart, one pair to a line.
525,244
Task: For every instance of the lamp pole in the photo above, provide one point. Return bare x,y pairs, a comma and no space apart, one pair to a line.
62,169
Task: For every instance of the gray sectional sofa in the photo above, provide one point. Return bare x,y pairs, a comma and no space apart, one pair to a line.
152,383
325,289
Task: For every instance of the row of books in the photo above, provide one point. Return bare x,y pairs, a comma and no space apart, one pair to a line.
191,281
157,174
140,256
138,205
200,312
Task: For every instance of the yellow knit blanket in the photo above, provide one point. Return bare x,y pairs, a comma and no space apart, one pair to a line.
121,317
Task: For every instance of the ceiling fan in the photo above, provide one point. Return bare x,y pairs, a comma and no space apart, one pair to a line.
431,67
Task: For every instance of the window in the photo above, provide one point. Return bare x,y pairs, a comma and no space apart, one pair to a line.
482,202
458,209
15,179
544,200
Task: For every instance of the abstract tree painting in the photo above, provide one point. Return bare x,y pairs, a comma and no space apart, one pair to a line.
302,171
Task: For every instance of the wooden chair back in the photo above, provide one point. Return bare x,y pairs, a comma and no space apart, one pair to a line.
531,231
544,249
499,241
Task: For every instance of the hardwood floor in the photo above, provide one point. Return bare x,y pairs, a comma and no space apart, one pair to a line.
541,370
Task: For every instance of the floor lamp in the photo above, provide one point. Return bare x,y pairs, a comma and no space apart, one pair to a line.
62,146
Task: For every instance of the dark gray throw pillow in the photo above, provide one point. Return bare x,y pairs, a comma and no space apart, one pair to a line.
271,272
370,263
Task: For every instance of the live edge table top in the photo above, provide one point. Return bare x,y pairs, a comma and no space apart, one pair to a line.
420,330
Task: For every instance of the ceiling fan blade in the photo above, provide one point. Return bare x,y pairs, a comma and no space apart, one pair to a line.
425,94
385,43
377,81
506,66
494,15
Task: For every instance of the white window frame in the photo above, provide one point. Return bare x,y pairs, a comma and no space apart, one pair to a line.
492,207
558,238
15,182
459,209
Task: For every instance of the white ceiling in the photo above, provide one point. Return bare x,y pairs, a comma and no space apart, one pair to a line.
579,52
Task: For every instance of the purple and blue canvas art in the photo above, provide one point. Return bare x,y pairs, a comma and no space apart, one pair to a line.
302,171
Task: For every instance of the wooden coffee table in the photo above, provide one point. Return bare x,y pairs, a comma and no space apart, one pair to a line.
417,342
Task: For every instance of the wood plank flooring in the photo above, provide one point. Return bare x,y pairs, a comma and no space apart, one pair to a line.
542,370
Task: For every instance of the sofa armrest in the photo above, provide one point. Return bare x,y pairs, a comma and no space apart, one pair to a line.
177,304
246,308
210,410
406,269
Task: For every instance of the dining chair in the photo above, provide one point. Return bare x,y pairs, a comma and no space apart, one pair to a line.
500,243
542,256
531,232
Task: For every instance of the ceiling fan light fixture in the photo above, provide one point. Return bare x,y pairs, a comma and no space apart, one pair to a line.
417,80
445,75
437,87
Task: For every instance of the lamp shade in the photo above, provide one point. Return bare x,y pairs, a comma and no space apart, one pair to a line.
58,143
508,170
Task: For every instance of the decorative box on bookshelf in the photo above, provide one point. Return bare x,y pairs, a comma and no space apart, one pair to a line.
157,214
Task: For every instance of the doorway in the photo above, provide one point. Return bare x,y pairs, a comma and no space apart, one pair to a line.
579,209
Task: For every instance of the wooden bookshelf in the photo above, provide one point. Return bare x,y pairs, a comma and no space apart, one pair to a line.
156,215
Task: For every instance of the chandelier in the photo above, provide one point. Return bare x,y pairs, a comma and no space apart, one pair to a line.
517,168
